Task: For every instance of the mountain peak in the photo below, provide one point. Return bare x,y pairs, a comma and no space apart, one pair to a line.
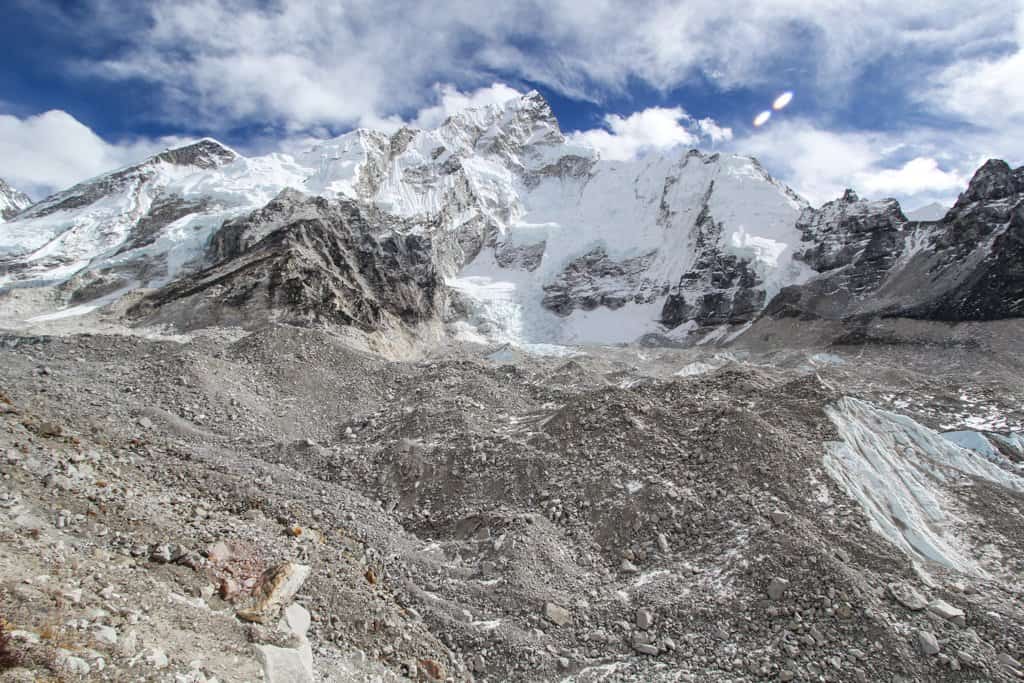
994,180
203,153
12,201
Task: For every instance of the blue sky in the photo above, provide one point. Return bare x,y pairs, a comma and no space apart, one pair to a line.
890,100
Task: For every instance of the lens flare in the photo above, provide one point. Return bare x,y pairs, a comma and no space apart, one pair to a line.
782,100
762,118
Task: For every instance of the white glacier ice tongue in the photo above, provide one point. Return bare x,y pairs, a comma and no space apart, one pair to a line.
904,475
546,241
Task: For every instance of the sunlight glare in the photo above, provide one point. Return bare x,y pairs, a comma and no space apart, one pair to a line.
762,118
782,100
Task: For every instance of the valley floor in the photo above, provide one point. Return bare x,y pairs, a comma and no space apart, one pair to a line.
769,511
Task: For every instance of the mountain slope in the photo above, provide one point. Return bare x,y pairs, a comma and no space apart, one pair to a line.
304,260
510,204
12,201
874,262
538,238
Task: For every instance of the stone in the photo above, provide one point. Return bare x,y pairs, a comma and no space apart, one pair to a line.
948,612
628,567
156,658
777,587
218,552
275,589
927,642
644,619
284,664
778,516
646,649
105,634
1009,662
663,543
433,669
75,666
50,429
162,553
297,619
786,675
559,616
145,423
908,596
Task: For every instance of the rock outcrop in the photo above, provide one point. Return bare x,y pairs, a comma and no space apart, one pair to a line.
873,262
12,202
305,260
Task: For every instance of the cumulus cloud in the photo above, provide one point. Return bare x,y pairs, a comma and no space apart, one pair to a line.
364,62
987,91
54,150
713,131
653,129
629,136
917,176
914,166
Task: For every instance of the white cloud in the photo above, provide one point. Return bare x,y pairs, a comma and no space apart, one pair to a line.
914,166
917,176
53,150
716,133
631,136
987,91
452,101
362,62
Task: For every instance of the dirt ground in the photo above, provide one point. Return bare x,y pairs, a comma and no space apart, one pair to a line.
627,513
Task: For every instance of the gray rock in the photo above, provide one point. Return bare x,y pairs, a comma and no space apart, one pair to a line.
786,675
163,553
105,634
907,596
555,614
663,543
927,642
628,567
644,619
948,612
646,648
777,587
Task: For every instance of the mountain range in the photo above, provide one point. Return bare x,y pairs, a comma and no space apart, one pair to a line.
504,228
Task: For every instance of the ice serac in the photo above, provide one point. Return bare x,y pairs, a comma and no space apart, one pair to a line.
872,261
305,260
12,202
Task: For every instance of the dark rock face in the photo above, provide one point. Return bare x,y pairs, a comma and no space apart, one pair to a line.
305,260
873,262
719,288
594,280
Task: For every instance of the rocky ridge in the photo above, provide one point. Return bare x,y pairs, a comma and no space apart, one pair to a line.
12,201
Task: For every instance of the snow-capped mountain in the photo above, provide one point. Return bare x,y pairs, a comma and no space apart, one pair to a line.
929,212
11,201
517,215
530,236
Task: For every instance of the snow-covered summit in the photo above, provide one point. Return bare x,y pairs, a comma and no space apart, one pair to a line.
11,201
544,239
